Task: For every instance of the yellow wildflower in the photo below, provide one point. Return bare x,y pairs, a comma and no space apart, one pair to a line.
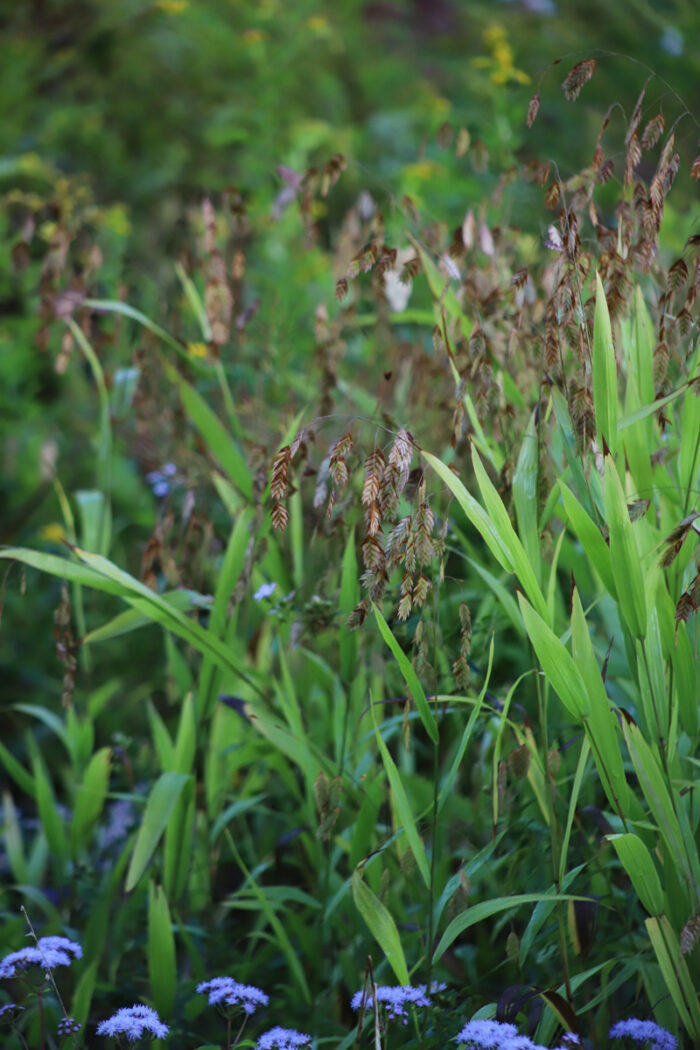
254,36
173,7
197,349
54,532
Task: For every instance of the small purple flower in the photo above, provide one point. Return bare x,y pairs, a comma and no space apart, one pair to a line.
569,1040
228,992
265,590
132,1022
68,1026
395,997
49,953
657,1037
488,1035
8,1012
282,1039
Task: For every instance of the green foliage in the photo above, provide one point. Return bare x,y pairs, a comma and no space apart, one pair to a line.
490,780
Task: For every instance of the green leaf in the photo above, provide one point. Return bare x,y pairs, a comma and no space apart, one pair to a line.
160,805
485,909
51,819
162,966
349,596
624,555
381,925
90,799
557,663
604,373
636,860
675,973
410,676
522,566
590,537
526,496
403,808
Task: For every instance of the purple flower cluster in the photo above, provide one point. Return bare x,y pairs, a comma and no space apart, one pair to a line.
48,953
644,1032
394,997
227,992
132,1022
282,1039
68,1026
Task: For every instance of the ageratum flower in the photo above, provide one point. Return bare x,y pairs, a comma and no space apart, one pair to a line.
657,1037
68,1026
132,1022
395,997
282,1039
487,1035
8,1012
48,953
227,992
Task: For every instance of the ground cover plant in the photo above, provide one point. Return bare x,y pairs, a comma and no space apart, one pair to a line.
422,711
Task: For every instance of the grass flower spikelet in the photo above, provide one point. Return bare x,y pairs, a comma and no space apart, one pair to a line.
225,991
132,1022
649,1032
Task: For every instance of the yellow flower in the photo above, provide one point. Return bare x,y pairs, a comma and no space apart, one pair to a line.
197,349
501,65
54,532
173,7
317,23
254,36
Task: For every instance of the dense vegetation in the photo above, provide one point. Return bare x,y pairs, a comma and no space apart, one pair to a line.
351,433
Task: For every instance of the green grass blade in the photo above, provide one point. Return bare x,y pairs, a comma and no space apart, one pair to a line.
624,555
162,965
90,799
526,494
159,807
636,860
604,373
403,808
409,675
557,663
381,926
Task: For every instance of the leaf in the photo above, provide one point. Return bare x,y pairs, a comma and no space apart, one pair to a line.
636,860
90,799
604,373
624,555
557,662
486,909
160,805
410,676
162,966
403,808
381,926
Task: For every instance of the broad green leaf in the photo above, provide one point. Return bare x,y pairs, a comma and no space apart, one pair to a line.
557,662
22,778
160,805
675,973
63,568
409,675
526,496
499,516
162,966
90,799
178,844
485,909
604,373
95,520
636,860
12,840
590,538
220,442
51,820
624,555
381,926
403,808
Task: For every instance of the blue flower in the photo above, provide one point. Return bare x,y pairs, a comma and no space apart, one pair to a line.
395,997
49,953
657,1037
133,1021
265,590
229,992
7,1012
489,1035
282,1039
